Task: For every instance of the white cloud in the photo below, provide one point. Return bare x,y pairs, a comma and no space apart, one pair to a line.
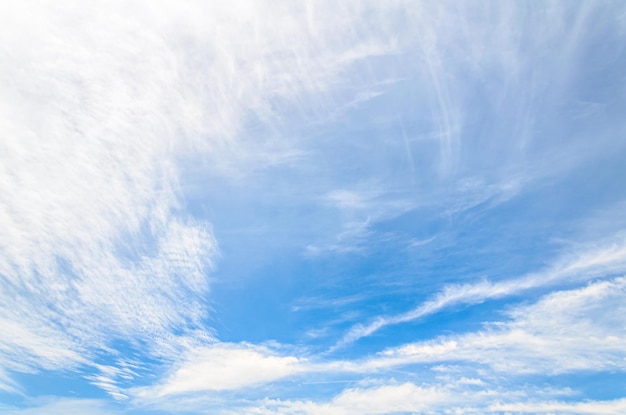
101,107
385,399
7,384
66,406
566,331
359,209
110,376
406,397
222,367
590,262
93,246
615,407
458,397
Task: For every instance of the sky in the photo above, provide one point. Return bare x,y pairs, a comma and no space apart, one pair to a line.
312,207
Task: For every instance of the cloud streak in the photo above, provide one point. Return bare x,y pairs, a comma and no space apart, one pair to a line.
596,262
567,331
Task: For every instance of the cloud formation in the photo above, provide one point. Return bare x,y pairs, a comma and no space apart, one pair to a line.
175,176
224,367
590,263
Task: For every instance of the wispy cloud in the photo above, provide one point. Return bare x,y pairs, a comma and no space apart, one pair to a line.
94,247
115,114
563,332
386,399
101,105
567,331
590,263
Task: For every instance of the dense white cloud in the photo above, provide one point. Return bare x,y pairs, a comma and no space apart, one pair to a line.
221,367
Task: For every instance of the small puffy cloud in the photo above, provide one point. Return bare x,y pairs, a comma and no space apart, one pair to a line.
385,399
224,366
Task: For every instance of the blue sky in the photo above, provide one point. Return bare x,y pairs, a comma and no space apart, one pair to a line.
312,207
